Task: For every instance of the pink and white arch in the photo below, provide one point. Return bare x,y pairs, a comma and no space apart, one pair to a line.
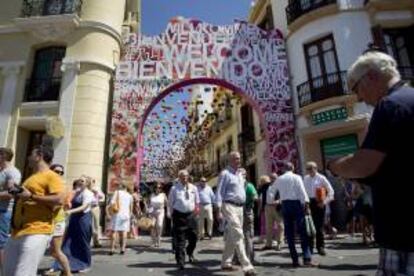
240,57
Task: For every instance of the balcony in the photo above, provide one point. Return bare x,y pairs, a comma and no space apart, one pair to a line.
50,7
41,90
49,20
323,87
297,8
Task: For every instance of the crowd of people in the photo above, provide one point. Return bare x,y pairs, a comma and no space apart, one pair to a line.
43,212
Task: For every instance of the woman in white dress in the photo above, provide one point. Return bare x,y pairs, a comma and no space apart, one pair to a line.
156,209
120,220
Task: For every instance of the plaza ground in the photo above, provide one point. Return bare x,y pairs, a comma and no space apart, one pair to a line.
346,256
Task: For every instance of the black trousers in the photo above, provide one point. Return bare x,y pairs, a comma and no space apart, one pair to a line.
318,217
184,228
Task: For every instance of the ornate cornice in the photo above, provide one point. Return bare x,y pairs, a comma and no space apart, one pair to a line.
49,28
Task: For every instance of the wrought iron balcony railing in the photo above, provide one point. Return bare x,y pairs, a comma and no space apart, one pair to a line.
297,8
40,90
322,87
50,7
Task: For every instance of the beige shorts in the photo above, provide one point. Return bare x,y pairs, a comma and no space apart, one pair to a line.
59,229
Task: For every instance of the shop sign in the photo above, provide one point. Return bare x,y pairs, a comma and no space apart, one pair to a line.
336,114
339,146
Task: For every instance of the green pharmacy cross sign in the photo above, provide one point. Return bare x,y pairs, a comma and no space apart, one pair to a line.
329,116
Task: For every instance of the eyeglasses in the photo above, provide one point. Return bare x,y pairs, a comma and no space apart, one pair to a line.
309,169
59,172
355,86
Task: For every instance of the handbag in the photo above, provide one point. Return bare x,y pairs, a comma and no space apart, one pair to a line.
115,205
145,223
310,226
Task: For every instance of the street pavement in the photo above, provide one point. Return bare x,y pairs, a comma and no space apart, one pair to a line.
345,256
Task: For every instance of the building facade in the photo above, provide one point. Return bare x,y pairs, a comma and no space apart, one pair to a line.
323,39
232,125
57,60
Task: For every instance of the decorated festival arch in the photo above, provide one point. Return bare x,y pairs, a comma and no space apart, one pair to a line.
240,57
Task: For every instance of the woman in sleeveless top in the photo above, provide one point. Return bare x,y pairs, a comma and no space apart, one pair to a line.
156,210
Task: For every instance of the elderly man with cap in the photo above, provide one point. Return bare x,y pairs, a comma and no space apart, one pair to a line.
207,198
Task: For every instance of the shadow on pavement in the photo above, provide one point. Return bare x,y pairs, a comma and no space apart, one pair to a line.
347,267
287,265
350,246
210,251
276,253
202,268
142,249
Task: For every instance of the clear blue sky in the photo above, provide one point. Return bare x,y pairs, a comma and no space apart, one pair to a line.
156,13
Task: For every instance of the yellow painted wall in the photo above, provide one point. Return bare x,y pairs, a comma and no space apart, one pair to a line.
94,46
86,154
98,51
15,46
110,12
261,148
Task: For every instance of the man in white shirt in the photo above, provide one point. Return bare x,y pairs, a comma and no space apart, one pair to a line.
320,193
184,204
295,203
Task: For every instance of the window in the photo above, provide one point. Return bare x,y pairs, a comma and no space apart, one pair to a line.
36,138
322,61
246,117
397,42
46,76
229,144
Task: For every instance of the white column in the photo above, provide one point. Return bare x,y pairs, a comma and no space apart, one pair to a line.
7,102
70,70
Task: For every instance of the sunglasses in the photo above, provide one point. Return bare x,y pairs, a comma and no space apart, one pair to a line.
59,172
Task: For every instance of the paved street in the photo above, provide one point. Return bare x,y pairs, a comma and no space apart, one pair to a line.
346,256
